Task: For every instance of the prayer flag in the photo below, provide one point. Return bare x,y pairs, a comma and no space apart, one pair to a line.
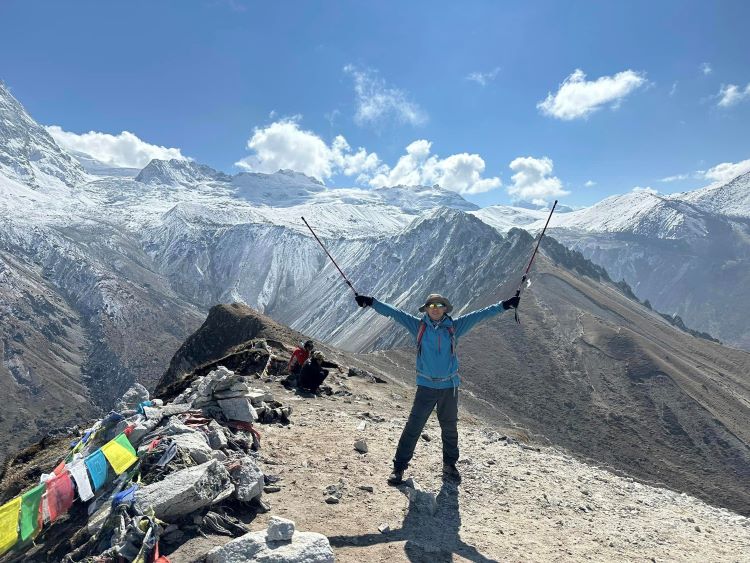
78,471
59,496
119,453
9,524
97,466
30,514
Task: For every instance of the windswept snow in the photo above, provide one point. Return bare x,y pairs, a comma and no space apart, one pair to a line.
504,218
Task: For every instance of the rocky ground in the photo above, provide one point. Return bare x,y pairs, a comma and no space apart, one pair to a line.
323,464
516,502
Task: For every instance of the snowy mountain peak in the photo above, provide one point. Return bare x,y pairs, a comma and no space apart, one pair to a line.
731,198
283,188
640,213
504,218
414,199
179,172
28,153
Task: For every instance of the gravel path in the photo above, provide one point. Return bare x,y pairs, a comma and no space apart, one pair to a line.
515,503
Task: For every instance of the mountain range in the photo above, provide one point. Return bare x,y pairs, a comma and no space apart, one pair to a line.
104,275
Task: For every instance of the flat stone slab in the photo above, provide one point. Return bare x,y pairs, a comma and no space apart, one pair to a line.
304,547
186,491
238,409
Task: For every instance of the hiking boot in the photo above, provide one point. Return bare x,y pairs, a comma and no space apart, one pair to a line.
396,478
450,473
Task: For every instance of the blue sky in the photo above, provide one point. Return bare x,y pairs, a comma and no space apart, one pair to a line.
498,100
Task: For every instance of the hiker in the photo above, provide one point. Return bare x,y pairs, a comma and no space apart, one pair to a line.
299,356
313,373
436,335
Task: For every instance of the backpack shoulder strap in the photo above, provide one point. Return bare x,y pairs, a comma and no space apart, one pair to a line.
420,334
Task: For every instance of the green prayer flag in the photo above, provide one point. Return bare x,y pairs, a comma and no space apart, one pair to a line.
30,511
123,440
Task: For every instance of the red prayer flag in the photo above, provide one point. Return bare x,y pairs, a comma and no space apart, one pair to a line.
59,495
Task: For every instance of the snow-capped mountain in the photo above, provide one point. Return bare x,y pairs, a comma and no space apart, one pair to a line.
103,277
504,217
676,252
178,172
98,168
731,198
640,213
28,153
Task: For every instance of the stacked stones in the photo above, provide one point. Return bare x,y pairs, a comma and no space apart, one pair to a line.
231,394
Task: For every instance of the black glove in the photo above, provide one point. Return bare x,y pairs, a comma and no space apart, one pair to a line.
363,300
511,303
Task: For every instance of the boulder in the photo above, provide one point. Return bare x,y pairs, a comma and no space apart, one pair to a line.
420,500
195,444
217,438
174,427
141,429
247,478
238,409
304,547
185,491
132,397
279,529
157,413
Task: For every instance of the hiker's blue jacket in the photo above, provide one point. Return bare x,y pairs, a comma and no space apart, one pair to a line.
437,365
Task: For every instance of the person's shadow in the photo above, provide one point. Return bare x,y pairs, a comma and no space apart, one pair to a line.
430,538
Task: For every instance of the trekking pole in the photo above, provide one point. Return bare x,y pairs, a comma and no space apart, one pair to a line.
531,261
331,257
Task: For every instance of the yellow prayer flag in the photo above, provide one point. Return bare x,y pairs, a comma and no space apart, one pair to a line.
119,453
9,524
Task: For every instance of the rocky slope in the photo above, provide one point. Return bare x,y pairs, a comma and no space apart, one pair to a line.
519,499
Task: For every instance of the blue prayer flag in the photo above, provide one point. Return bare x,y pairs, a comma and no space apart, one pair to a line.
97,465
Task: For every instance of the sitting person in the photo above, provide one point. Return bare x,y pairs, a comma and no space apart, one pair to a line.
313,373
299,356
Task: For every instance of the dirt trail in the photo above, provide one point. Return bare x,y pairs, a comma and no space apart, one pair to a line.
514,503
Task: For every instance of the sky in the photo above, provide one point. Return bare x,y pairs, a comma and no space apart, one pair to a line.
503,102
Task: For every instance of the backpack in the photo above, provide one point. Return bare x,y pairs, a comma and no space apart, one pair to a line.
420,334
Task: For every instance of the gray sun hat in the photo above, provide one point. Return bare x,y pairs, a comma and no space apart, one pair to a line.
436,298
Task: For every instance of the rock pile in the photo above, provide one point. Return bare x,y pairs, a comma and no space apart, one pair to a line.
179,463
225,394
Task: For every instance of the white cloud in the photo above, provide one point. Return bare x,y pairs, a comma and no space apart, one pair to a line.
578,98
482,78
461,172
378,102
589,184
533,180
124,150
727,170
731,94
647,189
283,144
706,68
678,177
673,90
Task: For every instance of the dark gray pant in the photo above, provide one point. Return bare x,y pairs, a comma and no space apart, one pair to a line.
425,401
